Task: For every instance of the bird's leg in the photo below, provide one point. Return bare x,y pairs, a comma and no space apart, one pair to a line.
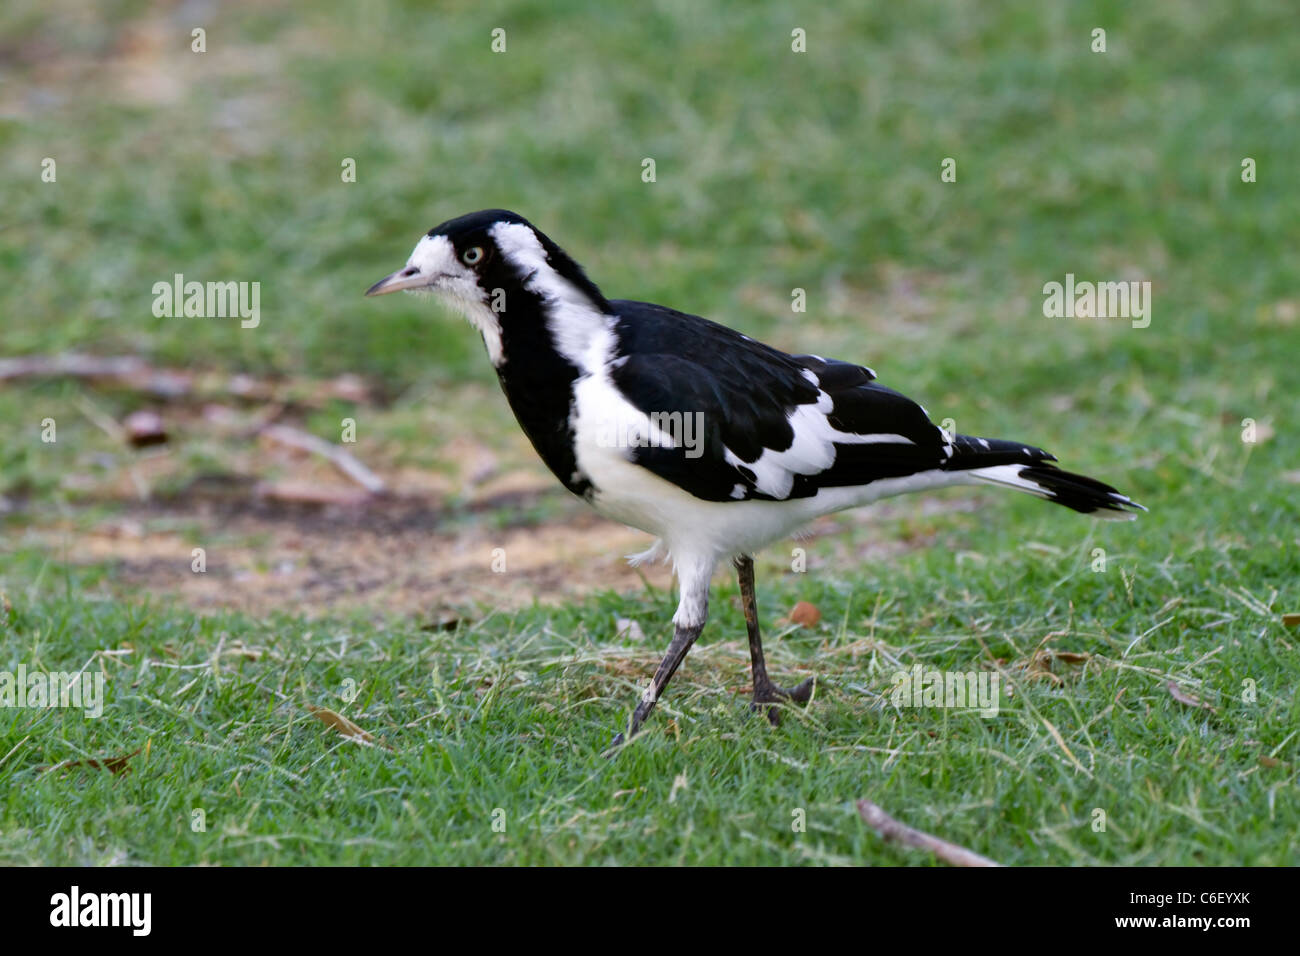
683,638
765,692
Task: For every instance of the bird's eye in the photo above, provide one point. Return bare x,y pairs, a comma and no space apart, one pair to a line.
472,256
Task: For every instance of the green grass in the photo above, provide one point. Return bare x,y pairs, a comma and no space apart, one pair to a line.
512,712
775,171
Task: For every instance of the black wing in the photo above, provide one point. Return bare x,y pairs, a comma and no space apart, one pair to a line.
774,426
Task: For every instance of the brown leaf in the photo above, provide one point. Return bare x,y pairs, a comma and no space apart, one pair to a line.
1269,762
805,614
340,723
1291,620
115,765
1180,695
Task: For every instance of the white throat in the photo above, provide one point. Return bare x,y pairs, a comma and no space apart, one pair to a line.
456,284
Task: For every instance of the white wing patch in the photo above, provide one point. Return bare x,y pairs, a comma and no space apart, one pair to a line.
813,449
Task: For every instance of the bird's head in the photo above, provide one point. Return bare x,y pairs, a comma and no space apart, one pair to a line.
474,256
502,273
459,259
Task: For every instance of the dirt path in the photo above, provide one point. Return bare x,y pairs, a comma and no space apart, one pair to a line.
402,555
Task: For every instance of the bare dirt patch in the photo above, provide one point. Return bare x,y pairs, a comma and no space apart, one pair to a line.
409,556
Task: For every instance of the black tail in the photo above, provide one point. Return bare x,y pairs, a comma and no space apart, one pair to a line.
1025,468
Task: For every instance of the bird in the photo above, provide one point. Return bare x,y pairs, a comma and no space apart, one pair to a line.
709,440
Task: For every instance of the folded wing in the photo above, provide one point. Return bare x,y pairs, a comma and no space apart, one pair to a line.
763,424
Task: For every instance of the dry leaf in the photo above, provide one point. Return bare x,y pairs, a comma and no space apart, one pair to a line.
1291,620
340,723
805,614
1180,695
115,765
1269,762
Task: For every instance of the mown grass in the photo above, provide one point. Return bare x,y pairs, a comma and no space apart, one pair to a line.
774,171
510,714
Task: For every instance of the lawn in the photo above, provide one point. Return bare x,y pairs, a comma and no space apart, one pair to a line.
1148,711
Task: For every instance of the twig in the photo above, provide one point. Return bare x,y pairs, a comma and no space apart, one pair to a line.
134,372
339,457
127,369
891,829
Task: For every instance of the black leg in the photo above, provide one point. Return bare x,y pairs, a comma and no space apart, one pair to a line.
765,692
683,638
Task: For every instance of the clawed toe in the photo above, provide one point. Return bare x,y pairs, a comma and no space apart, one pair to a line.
772,694
804,691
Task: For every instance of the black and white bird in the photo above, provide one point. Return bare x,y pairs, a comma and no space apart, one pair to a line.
712,442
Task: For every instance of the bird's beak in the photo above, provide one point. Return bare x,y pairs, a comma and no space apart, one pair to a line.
408,278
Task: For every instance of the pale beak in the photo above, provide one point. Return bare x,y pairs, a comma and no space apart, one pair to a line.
408,278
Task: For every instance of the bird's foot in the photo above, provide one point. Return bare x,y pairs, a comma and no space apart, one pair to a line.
634,725
769,693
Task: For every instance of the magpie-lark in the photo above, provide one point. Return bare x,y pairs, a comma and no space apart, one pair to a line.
712,442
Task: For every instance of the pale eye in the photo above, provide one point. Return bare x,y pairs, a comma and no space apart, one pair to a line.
472,256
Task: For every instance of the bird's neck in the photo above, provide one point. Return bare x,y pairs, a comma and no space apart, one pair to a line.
551,334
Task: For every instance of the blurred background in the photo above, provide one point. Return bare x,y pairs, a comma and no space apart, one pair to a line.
774,170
